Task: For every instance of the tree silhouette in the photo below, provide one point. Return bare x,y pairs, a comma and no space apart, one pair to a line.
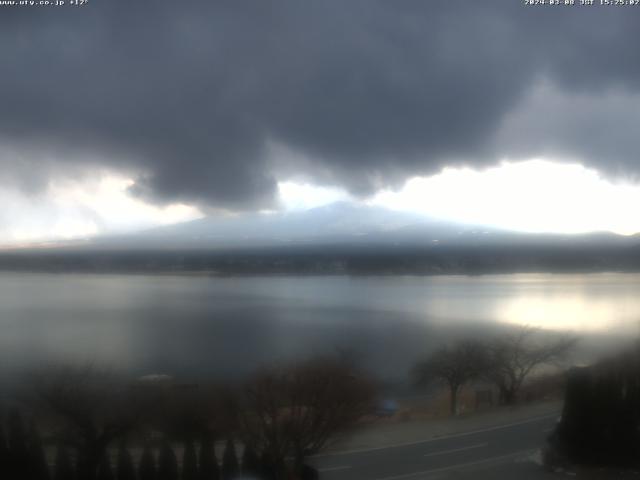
308,473
105,472
18,446
271,468
453,365
250,462
94,408
209,469
189,462
4,454
513,357
230,467
38,467
63,468
167,463
600,421
147,467
125,469
294,411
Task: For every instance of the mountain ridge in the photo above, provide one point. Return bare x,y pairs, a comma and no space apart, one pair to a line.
336,223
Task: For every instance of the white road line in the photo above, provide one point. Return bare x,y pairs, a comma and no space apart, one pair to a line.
333,469
460,465
454,450
435,439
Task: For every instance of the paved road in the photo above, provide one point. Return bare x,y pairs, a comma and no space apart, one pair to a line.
494,447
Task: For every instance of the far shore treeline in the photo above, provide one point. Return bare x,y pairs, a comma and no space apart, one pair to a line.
335,259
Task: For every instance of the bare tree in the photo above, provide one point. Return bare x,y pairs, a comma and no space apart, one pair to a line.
93,408
189,412
294,412
454,365
512,358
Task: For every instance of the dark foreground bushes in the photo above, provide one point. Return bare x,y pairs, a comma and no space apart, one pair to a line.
23,457
271,424
600,423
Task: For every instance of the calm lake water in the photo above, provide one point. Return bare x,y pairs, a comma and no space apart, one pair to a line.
201,325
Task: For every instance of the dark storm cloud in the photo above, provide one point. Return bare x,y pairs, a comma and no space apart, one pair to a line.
191,94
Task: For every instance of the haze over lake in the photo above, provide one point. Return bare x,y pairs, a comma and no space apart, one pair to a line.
193,325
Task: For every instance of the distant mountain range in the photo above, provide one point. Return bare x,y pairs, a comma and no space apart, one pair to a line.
341,223
342,238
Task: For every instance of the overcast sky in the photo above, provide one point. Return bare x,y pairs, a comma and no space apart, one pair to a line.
120,115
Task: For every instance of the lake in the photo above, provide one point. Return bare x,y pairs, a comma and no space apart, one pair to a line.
198,325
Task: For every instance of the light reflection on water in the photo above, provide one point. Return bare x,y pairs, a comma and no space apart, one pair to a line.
200,324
